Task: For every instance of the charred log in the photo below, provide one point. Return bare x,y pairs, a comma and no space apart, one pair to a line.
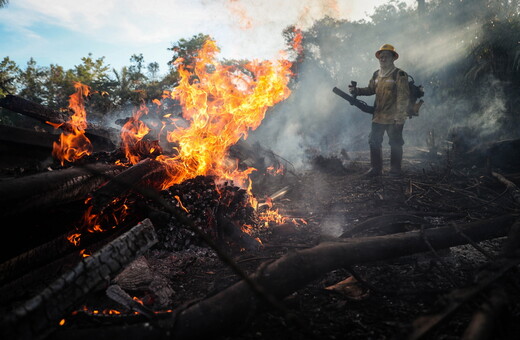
14,135
386,222
99,136
141,174
40,191
37,316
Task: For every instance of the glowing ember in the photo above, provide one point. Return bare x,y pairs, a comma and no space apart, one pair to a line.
74,239
74,144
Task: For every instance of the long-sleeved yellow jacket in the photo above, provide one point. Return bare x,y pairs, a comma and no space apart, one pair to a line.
392,96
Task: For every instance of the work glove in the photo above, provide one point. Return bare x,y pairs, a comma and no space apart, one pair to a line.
352,88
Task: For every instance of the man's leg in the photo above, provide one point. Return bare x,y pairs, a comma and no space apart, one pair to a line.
395,136
375,141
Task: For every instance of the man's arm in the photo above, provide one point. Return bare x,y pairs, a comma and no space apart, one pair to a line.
367,91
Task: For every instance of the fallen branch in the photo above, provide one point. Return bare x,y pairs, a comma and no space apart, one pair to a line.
513,189
383,222
424,325
35,318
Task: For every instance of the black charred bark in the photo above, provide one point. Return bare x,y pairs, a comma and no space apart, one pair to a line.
43,190
35,318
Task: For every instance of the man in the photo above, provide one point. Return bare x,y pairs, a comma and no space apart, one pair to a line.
390,85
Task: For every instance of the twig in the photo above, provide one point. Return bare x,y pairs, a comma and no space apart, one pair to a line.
515,192
444,266
473,243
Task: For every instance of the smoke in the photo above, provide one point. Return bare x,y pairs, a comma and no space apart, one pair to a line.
431,48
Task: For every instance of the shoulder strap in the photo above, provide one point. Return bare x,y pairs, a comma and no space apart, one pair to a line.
396,71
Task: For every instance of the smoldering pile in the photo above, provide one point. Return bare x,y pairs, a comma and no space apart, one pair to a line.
219,211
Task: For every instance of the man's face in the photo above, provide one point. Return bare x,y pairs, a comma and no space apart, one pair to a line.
386,58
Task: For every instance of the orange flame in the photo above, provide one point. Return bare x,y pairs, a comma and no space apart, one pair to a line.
132,133
222,105
73,144
297,41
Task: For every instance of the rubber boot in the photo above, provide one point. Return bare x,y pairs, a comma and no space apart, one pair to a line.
396,158
376,162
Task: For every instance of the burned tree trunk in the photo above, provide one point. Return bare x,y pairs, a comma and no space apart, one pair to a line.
52,188
99,136
127,180
37,316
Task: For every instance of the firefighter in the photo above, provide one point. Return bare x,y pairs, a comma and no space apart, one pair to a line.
390,85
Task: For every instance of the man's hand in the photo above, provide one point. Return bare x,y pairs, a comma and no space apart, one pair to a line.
352,88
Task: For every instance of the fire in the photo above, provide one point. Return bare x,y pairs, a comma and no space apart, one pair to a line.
297,41
74,238
222,104
73,144
132,134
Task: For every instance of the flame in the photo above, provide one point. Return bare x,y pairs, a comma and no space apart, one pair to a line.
74,239
222,104
271,216
297,41
73,144
181,205
132,134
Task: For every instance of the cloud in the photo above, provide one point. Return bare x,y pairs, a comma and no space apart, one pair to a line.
245,28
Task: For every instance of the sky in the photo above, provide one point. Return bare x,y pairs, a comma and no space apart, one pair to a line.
64,31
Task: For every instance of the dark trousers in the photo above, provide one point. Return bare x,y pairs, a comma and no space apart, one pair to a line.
394,131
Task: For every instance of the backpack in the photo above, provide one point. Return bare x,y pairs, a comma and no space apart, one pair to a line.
416,92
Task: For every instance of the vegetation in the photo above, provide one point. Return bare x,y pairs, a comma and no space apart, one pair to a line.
483,54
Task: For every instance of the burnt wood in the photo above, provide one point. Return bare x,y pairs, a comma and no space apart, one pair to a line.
224,311
140,174
52,188
36,317
293,271
99,136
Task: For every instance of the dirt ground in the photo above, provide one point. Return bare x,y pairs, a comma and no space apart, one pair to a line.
389,295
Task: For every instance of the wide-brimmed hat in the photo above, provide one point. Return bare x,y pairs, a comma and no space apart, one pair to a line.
387,47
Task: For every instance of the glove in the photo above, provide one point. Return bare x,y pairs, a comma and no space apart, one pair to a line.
352,88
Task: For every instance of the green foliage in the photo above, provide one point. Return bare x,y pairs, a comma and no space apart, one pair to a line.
187,50
8,73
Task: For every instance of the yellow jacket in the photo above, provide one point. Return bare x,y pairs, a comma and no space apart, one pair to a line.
392,96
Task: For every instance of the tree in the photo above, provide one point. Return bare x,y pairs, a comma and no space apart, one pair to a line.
153,71
186,50
8,74
3,3
31,81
